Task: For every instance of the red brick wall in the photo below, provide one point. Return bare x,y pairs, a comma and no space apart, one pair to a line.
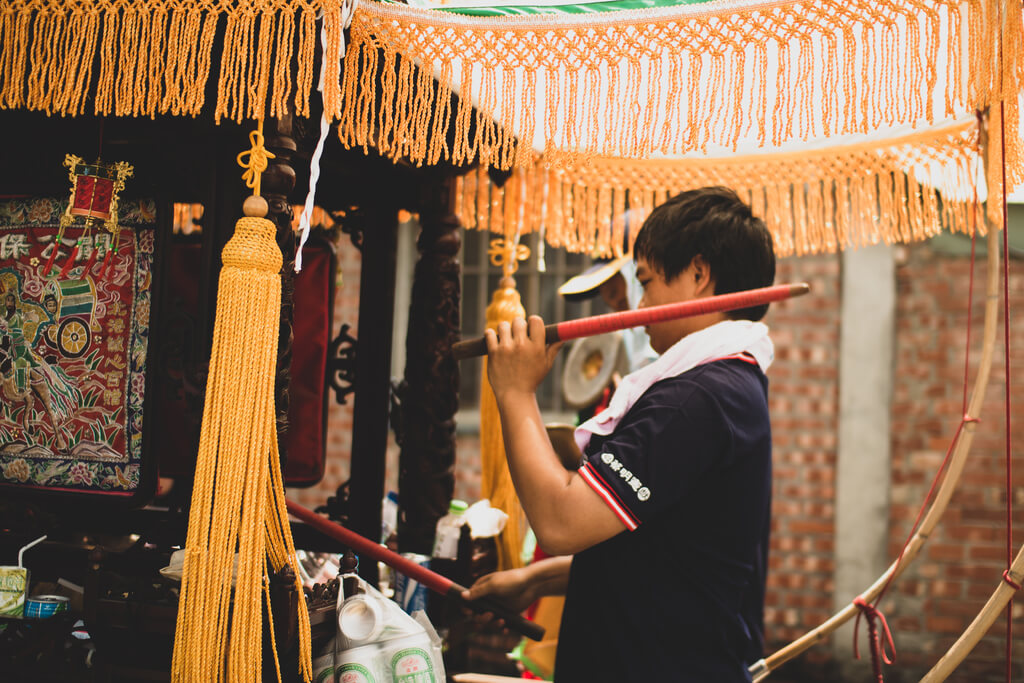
959,567
803,395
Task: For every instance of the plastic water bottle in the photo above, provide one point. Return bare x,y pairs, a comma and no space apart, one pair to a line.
446,539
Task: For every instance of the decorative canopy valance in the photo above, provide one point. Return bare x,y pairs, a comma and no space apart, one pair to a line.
812,201
668,81
130,58
610,108
844,123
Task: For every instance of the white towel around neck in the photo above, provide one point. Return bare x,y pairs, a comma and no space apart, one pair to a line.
726,338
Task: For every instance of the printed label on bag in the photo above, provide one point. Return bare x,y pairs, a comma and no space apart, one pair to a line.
412,665
354,673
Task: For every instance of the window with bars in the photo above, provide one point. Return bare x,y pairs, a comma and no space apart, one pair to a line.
539,292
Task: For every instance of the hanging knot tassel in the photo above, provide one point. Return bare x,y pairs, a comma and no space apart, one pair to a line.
255,160
70,263
872,615
103,265
496,481
53,257
91,261
219,631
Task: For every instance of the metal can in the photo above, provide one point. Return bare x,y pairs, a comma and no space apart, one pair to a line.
45,606
410,593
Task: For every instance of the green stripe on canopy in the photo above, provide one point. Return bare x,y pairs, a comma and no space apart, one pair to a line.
556,7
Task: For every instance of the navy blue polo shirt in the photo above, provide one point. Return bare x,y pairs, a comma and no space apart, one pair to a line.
679,595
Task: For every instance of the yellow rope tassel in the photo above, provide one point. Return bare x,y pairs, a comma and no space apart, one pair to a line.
238,494
495,480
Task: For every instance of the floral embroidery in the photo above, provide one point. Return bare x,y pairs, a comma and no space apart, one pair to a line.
18,469
80,473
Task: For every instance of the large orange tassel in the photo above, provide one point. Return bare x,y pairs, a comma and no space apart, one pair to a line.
496,481
238,495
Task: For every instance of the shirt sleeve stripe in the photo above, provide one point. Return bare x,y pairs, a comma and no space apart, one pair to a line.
596,473
594,480
745,357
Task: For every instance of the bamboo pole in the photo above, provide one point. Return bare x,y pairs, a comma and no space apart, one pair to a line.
1005,591
980,626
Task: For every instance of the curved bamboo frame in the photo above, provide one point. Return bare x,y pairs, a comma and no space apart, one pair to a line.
980,626
761,669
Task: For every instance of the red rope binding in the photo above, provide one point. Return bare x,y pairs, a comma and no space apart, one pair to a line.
871,612
874,616
1009,580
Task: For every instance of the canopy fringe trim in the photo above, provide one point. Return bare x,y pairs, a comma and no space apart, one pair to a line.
904,190
668,81
147,58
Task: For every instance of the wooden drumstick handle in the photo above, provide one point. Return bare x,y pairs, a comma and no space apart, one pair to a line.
432,580
609,322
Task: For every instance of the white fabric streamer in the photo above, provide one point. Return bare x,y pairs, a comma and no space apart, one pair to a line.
347,10
726,338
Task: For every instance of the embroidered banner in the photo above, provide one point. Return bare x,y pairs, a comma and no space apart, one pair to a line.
73,350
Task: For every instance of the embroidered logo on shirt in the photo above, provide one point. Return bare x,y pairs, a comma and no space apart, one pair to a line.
642,492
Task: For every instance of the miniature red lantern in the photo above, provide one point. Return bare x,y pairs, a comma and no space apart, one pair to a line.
94,194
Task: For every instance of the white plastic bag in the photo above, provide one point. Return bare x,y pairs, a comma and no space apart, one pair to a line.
379,643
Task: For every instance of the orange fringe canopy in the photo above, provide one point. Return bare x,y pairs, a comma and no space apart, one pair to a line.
905,189
670,81
155,57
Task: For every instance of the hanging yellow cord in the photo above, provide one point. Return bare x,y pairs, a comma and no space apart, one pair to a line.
255,160
238,492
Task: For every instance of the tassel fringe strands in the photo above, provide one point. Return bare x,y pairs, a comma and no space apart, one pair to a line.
495,479
669,81
813,202
238,495
155,57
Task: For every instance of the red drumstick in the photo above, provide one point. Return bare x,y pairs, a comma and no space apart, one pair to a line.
609,322
432,580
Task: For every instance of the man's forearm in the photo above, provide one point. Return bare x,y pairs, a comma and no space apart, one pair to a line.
550,576
537,473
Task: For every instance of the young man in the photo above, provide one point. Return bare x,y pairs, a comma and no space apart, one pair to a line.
667,519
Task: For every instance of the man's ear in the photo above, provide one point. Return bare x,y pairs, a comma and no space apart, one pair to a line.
705,282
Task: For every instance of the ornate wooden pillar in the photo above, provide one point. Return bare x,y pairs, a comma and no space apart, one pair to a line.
276,186
430,394
371,408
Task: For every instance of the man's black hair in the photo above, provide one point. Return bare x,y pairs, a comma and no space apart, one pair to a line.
715,223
